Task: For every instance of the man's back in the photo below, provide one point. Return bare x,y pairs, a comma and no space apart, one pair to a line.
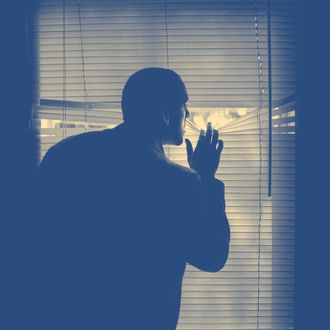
115,219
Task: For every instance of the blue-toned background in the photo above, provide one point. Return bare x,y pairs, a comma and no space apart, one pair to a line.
19,156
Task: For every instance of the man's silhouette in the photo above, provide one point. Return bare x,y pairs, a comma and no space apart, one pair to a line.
118,220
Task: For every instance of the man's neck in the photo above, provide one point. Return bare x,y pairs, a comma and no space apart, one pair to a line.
143,137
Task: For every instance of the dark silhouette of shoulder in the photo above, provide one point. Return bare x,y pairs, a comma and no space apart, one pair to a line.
77,153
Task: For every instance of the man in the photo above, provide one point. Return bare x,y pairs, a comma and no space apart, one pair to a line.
119,220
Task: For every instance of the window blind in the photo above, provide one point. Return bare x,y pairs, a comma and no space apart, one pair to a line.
87,49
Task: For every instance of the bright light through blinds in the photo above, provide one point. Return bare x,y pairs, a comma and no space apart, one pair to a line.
87,50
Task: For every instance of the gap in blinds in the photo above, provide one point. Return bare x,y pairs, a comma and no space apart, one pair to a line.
87,49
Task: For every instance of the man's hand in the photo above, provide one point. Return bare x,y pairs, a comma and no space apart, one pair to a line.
206,156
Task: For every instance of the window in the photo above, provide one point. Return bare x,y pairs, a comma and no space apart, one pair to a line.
87,49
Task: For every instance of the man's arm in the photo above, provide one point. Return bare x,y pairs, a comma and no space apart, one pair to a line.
210,231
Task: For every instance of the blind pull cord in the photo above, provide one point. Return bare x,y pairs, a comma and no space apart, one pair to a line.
167,58
83,68
64,77
270,105
259,110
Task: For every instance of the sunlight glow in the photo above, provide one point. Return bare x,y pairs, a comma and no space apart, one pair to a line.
219,117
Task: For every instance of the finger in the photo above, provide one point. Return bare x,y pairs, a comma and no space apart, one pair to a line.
215,138
208,134
201,139
201,136
220,147
189,148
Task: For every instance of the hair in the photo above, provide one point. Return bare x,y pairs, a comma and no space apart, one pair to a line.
149,88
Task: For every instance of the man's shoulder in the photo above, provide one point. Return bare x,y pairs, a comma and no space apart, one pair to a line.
183,174
78,149
79,143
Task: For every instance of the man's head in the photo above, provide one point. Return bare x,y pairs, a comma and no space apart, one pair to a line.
154,99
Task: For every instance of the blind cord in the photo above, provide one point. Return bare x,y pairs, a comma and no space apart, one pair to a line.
166,30
259,110
270,98
64,77
167,57
83,66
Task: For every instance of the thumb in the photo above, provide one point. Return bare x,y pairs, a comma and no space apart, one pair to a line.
189,148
